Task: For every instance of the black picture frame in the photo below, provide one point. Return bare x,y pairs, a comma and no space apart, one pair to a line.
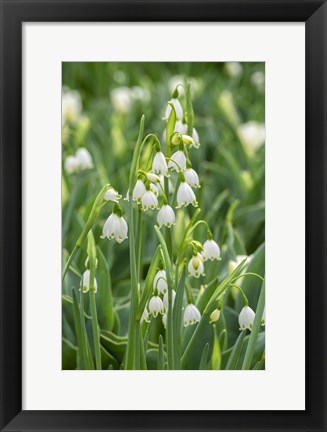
13,14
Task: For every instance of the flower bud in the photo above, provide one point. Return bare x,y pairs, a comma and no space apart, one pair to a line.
214,317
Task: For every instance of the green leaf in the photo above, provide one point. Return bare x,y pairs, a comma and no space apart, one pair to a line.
177,319
204,358
234,355
69,355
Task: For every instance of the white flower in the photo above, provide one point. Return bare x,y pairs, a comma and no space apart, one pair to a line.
160,282
138,191
178,109
112,195
195,266
252,135
196,139
71,164
210,250
185,196
152,177
71,104
166,216
214,316
191,315
165,299
180,127
145,316
246,318
258,80
164,320
84,158
180,159
173,82
86,282
156,306
191,177
121,98
154,188
234,69
149,200
115,227
159,164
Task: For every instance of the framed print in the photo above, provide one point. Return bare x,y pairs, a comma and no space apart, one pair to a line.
163,215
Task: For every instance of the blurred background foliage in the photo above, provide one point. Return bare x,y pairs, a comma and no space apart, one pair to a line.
101,112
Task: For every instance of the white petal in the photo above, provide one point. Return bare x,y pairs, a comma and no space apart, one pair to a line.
211,250
246,318
180,158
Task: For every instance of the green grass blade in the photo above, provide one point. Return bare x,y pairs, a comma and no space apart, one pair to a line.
234,355
255,331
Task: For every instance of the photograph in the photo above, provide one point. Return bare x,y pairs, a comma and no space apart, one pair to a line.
163,216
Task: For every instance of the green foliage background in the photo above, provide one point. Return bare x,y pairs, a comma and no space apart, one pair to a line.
231,197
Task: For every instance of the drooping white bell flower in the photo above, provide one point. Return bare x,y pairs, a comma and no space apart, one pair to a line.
138,190
115,227
191,178
180,159
185,196
195,266
84,158
196,140
156,306
112,195
145,316
180,127
246,318
211,250
85,285
159,164
164,320
166,216
160,282
252,135
154,188
178,109
121,99
71,103
149,200
191,315
71,164
165,299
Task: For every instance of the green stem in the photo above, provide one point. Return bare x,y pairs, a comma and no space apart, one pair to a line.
137,346
77,322
88,361
95,327
134,289
255,330
69,261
